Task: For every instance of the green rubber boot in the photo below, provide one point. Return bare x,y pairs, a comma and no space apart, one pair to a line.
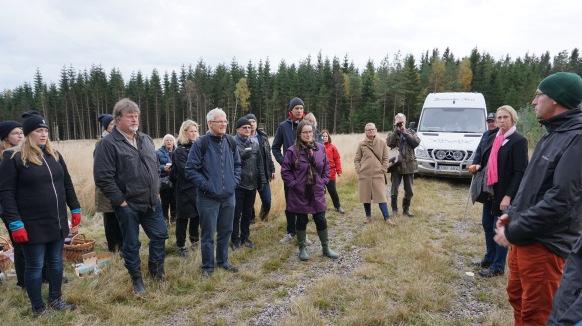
323,237
303,254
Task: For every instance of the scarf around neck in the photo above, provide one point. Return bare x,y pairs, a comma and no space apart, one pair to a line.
492,166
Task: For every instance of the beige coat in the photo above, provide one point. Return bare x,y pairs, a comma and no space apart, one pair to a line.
371,172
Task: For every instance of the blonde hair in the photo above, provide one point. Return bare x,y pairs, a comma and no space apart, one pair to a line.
31,153
183,134
310,117
511,111
169,136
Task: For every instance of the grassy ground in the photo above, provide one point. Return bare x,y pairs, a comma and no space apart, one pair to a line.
410,274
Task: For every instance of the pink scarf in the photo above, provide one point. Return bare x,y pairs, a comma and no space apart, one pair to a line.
492,171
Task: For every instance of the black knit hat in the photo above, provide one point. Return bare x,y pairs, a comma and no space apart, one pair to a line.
242,122
564,88
105,120
251,116
294,102
32,121
7,126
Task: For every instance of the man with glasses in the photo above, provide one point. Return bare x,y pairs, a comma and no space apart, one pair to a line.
543,222
214,167
252,178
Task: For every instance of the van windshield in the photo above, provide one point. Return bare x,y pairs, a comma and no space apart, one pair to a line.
462,120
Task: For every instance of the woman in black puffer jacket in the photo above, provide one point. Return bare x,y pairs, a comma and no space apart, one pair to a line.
186,212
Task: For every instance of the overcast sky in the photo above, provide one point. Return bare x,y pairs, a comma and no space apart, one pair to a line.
142,35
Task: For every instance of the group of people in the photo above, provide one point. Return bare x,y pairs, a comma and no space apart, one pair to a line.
207,186
535,210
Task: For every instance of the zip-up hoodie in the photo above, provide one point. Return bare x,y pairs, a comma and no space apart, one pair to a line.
284,137
37,195
548,205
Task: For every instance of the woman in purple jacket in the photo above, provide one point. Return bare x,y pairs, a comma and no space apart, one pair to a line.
305,171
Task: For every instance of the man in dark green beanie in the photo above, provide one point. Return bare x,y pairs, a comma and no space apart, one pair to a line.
544,220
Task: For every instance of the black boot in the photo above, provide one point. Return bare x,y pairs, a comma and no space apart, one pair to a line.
137,282
406,207
394,204
156,270
323,237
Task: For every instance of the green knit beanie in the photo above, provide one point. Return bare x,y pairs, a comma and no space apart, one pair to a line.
564,88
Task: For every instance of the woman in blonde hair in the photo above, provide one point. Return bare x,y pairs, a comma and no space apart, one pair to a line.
186,212
35,190
505,158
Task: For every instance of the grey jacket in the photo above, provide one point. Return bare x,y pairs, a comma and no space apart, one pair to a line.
125,173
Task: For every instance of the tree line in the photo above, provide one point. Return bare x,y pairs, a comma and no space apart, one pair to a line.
342,96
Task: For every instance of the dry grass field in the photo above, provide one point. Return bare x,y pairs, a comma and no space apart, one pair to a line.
410,274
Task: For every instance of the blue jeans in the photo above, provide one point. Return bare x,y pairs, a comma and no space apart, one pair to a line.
383,208
153,224
216,216
265,194
488,221
35,256
499,258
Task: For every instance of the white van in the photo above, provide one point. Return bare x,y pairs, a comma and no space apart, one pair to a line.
450,127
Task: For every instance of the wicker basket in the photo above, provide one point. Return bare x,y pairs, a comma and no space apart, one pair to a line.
5,262
79,246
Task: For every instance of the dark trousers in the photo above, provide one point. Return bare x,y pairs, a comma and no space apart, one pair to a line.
112,232
488,222
396,179
168,198
265,195
318,218
187,224
243,210
36,255
383,208
333,193
155,228
291,217
216,216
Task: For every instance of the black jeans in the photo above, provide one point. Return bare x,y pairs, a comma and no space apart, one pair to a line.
243,210
112,232
168,198
333,193
318,218
291,217
182,227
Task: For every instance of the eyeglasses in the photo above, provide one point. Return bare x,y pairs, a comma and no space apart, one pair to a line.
222,122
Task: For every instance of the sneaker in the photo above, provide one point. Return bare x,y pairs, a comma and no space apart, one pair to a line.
60,305
249,244
183,252
234,245
340,210
207,273
39,312
229,268
287,238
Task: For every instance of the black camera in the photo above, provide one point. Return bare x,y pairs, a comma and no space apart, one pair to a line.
399,124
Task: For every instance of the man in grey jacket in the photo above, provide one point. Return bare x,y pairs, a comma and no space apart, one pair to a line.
126,171
544,220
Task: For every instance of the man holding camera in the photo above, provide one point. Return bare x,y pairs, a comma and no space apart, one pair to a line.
406,141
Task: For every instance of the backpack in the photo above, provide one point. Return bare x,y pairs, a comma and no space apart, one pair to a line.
204,143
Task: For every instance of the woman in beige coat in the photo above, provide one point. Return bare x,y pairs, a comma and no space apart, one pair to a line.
371,164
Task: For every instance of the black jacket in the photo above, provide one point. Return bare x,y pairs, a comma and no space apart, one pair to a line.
284,137
252,173
511,165
269,167
125,173
185,189
548,205
477,157
38,195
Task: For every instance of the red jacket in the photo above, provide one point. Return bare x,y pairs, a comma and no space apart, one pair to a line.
335,162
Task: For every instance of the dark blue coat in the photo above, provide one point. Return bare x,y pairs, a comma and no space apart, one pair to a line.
284,137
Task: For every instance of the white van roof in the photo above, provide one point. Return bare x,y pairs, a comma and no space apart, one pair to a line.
454,100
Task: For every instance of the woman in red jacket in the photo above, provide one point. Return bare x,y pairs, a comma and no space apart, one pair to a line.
335,167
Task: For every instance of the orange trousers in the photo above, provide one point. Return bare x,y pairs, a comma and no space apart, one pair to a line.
534,277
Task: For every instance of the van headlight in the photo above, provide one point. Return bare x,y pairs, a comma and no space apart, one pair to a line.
421,152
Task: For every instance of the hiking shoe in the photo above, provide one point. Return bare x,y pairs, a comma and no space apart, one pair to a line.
481,264
368,220
39,312
287,238
389,222
229,268
60,305
207,273
340,210
234,245
488,273
249,244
